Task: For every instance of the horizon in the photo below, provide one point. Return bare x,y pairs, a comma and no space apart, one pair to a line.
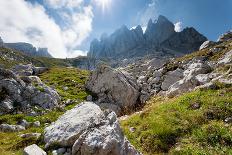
72,25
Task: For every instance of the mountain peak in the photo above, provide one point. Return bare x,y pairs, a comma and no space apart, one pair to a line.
162,19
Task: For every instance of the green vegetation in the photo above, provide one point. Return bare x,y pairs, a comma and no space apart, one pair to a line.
175,126
71,78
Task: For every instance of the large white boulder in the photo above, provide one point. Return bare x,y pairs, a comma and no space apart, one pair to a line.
33,150
89,131
114,87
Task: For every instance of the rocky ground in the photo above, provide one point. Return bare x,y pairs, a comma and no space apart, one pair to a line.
176,106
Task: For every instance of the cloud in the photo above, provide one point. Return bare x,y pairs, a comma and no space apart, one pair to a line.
178,26
25,22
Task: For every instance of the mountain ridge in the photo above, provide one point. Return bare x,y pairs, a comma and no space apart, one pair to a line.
156,40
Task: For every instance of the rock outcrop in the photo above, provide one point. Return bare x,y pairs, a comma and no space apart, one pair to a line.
114,89
159,39
87,130
226,36
207,44
22,95
28,70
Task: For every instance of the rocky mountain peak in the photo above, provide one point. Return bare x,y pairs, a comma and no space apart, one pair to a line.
159,38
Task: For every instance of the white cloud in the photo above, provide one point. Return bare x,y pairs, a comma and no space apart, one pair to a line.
178,26
24,22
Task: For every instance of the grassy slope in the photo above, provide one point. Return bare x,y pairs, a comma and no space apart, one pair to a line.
171,125
11,143
9,58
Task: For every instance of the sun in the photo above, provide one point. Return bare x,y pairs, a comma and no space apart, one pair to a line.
104,4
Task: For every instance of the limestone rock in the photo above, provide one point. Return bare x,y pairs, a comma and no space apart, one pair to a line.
15,93
114,87
206,44
171,77
33,150
226,59
89,131
11,128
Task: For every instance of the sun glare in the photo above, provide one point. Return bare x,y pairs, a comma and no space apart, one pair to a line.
104,4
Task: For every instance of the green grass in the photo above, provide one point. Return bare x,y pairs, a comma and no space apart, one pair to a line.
72,78
172,126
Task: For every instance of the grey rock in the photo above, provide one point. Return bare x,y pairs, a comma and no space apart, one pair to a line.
11,128
89,131
110,86
89,98
33,150
36,124
24,123
206,44
30,135
226,59
171,77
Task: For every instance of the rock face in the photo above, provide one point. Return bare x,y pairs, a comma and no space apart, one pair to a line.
159,39
28,49
114,88
17,94
89,131
33,150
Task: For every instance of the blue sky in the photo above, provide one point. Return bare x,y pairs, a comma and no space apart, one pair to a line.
67,27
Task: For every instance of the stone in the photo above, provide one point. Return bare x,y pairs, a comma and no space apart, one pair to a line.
61,151
228,120
89,131
89,98
65,88
11,128
226,59
30,135
195,106
114,87
73,122
33,150
132,129
6,106
171,77
206,44
24,123
36,124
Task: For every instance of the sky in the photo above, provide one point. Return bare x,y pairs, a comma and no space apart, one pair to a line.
67,27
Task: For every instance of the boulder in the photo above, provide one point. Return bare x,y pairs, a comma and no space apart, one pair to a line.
114,87
206,44
171,77
17,94
28,70
226,59
11,128
89,131
33,150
